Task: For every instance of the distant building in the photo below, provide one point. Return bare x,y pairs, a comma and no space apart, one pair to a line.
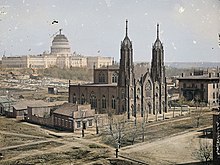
14,62
200,87
20,108
99,61
60,55
6,104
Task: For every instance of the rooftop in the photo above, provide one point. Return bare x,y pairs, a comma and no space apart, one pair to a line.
23,104
97,85
202,77
68,109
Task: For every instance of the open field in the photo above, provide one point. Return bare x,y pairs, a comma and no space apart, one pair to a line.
170,141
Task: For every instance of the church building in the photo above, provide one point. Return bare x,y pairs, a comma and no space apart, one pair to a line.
115,89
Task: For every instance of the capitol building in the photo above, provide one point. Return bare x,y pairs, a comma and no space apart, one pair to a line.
60,55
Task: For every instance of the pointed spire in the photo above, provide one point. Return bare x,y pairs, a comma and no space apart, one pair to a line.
126,27
157,30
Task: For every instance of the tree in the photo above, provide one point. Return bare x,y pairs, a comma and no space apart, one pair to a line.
116,129
131,132
204,152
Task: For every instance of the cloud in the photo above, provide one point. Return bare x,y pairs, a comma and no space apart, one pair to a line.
39,44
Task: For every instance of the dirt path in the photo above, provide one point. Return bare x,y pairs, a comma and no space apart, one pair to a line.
21,135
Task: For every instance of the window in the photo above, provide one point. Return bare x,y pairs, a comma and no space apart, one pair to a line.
59,121
113,103
62,122
101,77
122,94
217,85
138,93
78,124
74,98
114,78
55,120
83,100
90,122
184,85
213,95
157,105
213,85
103,101
202,86
70,124
93,100
148,89
66,123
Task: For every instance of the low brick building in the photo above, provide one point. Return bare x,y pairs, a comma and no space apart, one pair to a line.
73,116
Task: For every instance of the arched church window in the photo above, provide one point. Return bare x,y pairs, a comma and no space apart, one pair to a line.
74,98
163,91
103,78
114,78
103,101
122,94
148,89
138,93
131,93
113,103
83,100
93,100
157,105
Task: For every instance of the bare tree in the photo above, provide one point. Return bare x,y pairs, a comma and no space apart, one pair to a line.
131,132
117,129
204,152
198,114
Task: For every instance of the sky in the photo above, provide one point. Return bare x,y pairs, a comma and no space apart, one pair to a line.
188,28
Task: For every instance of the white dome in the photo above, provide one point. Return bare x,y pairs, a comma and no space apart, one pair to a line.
60,44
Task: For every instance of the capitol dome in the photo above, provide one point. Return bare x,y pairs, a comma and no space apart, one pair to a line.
60,44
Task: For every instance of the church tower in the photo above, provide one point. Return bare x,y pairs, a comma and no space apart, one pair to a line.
126,75
126,69
157,63
158,77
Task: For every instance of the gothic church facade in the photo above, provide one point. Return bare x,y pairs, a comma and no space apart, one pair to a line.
115,89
